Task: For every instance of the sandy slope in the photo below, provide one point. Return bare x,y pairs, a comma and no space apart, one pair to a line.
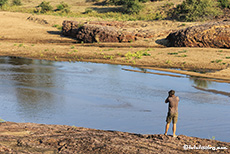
48,139
38,39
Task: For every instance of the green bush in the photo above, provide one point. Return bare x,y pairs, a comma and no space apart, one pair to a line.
116,2
132,6
2,2
196,10
143,1
92,1
129,6
63,7
122,2
88,10
224,3
16,2
44,7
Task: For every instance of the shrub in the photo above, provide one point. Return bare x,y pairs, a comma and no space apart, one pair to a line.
129,6
16,2
132,6
196,10
2,2
88,10
143,1
116,2
44,7
63,7
122,2
92,1
224,3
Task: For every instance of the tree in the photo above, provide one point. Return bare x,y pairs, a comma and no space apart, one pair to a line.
196,10
132,6
16,2
63,7
44,7
224,3
2,2
129,6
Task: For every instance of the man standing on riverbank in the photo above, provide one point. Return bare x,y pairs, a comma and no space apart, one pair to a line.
172,111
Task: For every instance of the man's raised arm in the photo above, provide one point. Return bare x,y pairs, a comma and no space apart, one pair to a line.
167,100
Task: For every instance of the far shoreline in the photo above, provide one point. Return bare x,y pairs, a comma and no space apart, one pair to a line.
202,76
31,39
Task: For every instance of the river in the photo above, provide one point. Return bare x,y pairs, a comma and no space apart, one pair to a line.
104,96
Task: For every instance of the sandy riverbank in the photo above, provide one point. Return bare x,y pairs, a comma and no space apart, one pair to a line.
34,39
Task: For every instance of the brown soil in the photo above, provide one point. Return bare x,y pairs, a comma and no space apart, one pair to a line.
40,138
37,38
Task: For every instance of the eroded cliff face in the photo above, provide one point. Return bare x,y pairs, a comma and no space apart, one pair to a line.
94,32
213,34
40,138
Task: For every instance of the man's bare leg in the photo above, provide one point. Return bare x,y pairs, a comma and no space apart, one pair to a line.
174,130
167,128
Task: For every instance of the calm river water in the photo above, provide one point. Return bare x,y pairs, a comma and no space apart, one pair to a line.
107,97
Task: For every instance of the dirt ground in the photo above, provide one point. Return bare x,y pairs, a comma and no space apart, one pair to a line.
49,139
39,38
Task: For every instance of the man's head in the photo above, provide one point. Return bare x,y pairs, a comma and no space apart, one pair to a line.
171,92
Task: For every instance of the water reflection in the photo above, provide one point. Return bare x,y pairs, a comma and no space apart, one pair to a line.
143,69
200,82
29,79
214,91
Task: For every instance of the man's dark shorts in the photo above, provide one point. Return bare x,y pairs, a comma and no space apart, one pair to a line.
172,116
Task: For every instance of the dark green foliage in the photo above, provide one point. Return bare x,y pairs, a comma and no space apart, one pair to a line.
224,3
143,1
129,6
196,10
63,7
122,2
87,1
88,10
2,2
16,2
132,6
44,7
116,2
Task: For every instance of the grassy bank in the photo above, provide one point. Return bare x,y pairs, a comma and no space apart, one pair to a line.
186,10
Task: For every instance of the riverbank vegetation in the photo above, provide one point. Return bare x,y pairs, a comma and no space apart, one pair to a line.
123,10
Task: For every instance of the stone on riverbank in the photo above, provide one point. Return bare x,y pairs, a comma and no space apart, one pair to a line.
89,33
214,34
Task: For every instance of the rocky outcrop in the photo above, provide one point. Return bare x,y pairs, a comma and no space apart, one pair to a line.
215,34
37,20
89,33
40,138
116,24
